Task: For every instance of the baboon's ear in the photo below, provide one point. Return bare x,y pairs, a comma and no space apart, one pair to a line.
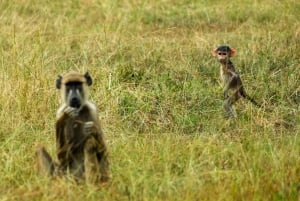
88,78
215,52
58,82
233,51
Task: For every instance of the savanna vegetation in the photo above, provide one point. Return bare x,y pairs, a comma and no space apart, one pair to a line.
157,88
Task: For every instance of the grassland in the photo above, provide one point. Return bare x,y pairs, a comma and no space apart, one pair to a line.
159,97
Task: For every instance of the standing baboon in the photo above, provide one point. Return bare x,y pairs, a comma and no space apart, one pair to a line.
231,80
81,149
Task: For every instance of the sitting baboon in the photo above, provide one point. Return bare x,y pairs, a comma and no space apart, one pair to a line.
81,149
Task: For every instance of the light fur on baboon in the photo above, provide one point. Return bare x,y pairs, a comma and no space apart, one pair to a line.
80,146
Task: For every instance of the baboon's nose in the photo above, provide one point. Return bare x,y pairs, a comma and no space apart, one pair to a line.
75,102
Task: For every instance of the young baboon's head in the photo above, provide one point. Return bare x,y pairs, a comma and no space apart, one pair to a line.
74,88
223,53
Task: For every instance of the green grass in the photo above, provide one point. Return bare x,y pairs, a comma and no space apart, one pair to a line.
157,88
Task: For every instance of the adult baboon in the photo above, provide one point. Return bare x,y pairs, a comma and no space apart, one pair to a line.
80,145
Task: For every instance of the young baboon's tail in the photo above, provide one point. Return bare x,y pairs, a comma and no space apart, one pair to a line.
252,101
246,96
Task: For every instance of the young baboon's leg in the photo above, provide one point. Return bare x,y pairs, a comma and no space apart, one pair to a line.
91,164
229,110
44,161
228,104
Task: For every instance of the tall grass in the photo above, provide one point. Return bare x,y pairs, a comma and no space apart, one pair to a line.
156,85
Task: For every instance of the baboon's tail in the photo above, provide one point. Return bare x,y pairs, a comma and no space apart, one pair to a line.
246,96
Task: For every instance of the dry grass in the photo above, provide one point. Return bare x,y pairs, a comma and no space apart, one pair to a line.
158,93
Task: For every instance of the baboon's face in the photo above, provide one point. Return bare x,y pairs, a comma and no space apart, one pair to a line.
74,94
223,53
74,88
223,56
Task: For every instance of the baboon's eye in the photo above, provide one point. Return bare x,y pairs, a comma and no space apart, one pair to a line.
79,86
68,87
73,85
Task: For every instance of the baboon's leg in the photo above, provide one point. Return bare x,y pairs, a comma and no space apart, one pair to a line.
91,164
44,161
228,104
104,166
229,110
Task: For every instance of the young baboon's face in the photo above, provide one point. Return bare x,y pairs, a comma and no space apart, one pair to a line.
74,94
223,53
223,56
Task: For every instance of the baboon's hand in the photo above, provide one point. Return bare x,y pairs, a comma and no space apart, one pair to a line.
71,112
88,128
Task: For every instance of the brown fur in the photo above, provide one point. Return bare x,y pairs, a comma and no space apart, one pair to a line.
80,146
231,80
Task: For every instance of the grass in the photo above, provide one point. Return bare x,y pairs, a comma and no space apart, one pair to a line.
159,97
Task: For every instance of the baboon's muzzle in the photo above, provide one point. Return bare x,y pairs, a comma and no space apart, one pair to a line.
75,102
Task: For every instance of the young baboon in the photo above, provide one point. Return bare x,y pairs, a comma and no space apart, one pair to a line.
80,145
231,80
